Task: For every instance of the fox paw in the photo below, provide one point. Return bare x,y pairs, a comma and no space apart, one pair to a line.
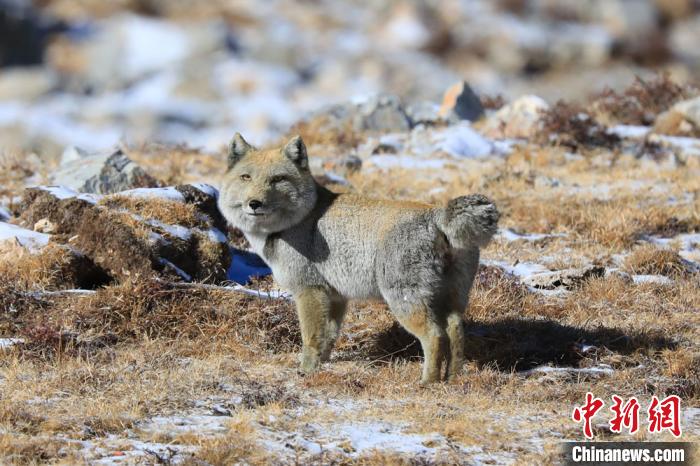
310,362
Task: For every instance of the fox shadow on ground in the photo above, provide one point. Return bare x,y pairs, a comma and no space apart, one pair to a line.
518,344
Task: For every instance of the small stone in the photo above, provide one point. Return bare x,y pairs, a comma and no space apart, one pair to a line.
100,173
45,226
382,113
683,119
546,182
519,119
568,278
424,113
461,102
684,38
343,166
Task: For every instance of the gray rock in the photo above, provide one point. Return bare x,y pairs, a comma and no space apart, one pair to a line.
424,113
461,101
519,119
568,278
25,83
101,173
4,214
381,113
684,40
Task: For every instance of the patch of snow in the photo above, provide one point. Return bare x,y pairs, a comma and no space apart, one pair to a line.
687,145
7,342
207,189
184,275
687,241
335,178
11,112
602,369
405,161
62,192
463,141
392,140
41,122
169,193
4,214
32,240
215,235
176,231
381,436
660,279
406,31
629,131
521,269
509,235
142,45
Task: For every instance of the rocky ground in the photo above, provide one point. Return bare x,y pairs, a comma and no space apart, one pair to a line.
136,329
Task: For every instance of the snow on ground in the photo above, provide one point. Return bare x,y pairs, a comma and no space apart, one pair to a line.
686,241
507,234
521,270
659,279
405,161
602,369
169,193
62,192
629,131
346,438
462,141
8,342
32,240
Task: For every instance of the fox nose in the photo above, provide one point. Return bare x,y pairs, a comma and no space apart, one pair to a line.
255,204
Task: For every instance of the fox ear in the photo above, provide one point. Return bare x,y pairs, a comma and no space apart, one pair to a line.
237,148
295,150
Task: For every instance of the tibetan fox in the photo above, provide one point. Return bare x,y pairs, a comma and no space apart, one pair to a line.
327,248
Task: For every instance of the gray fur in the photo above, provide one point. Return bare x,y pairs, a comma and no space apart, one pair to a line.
327,248
469,220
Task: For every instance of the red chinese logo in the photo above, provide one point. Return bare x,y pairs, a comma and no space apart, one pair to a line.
662,414
626,415
665,415
586,413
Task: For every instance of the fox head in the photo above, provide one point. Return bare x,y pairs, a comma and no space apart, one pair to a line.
266,191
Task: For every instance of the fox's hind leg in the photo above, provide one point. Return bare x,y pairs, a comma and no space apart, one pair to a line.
421,322
460,277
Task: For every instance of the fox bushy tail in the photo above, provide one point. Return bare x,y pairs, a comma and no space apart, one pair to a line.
468,221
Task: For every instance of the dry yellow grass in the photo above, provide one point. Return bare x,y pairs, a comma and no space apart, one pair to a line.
163,210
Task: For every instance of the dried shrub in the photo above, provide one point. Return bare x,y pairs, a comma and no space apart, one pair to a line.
492,102
569,125
162,210
255,394
641,102
329,130
54,267
150,308
496,292
649,259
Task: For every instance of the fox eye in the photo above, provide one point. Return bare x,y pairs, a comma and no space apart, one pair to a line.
277,179
245,177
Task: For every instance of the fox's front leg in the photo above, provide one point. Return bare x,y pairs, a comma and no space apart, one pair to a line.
313,308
